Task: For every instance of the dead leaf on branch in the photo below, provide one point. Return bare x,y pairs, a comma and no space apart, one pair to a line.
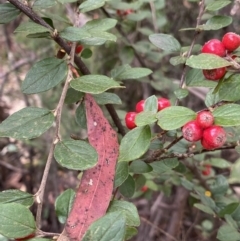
95,191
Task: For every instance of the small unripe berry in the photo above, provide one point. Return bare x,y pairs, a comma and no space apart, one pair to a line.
78,49
207,170
130,120
231,41
214,74
163,103
140,106
214,46
205,119
213,137
192,131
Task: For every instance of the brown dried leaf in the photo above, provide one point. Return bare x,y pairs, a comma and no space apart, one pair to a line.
95,191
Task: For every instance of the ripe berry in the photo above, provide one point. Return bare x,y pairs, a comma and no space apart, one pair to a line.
130,120
144,188
214,46
207,170
192,131
78,49
213,137
163,103
214,74
205,119
26,238
140,106
231,41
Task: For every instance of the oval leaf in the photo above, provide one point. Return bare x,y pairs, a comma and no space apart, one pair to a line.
63,205
214,6
27,123
31,28
8,12
134,73
121,173
44,75
107,98
145,118
135,143
174,117
139,167
76,155
227,115
16,196
110,227
127,189
74,34
128,209
217,22
94,84
16,220
165,42
207,61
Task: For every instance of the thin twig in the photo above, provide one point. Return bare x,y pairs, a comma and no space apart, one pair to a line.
154,18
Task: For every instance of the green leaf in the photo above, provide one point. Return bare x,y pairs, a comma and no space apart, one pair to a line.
94,84
109,227
120,70
214,6
227,115
8,12
86,53
107,98
218,162
127,189
66,1
16,196
74,34
230,88
219,186
64,204
151,104
181,93
211,98
90,5
160,167
30,28
100,24
122,173
216,22
187,184
135,143
204,208
44,75
177,60
128,209
130,232
229,209
16,220
207,61
139,167
165,42
230,221
81,116
229,233
76,155
195,78
73,96
134,73
173,117
42,4
27,123
145,118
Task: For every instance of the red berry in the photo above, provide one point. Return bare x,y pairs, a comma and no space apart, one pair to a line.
205,119
207,170
213,137
78,49
192,131
26,238
128,11
231,41
130,120
214,74
214,46
144,188
140,106
163,103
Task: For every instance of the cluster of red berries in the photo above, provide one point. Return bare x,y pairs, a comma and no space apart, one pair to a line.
122,13
229,43
206,170
130,116
203,128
